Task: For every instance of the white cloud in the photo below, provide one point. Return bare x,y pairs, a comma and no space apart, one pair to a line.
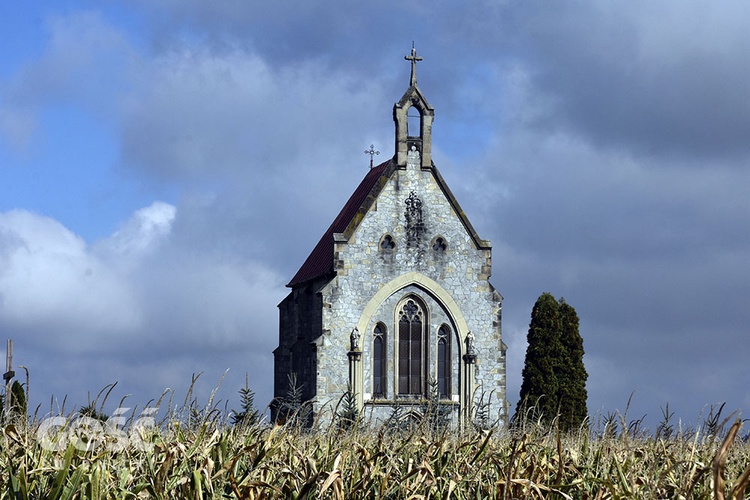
145,230
137,297
52,285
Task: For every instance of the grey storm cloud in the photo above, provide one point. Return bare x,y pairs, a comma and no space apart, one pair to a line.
667,79
600,147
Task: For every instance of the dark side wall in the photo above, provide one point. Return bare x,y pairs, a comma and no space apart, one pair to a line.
300,324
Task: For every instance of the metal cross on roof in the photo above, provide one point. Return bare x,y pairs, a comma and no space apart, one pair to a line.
413,57
371,152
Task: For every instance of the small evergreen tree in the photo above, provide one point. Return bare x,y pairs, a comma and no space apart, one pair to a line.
293,410
18,401
347,416
248,415
90,411
19,398
554,377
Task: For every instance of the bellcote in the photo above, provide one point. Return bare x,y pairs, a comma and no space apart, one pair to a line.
413,117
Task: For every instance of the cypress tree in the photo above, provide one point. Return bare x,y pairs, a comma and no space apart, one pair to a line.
539,389
554,377
572,374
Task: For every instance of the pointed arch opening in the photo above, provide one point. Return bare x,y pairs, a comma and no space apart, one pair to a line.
411,374
413,351
414,122
444,367
379,361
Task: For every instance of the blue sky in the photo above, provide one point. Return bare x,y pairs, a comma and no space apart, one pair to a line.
165,168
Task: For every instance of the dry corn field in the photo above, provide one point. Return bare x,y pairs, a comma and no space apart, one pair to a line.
212,460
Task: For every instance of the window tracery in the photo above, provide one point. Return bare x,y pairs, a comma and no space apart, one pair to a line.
412,349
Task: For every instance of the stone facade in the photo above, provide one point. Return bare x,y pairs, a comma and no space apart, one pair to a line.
395,302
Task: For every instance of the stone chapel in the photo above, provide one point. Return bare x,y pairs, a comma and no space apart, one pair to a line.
394,303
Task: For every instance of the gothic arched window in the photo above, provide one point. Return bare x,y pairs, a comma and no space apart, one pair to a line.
444,361
412,349
414,122
379,378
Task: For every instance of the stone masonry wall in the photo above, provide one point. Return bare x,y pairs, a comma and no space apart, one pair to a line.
364,267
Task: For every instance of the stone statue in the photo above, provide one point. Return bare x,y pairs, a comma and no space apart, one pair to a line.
355,339
470,348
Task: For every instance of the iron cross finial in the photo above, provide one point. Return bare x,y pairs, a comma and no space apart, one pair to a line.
413,57
371,152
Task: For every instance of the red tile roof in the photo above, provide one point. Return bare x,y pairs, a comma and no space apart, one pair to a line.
320,260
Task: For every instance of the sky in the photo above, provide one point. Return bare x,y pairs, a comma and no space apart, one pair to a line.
166,167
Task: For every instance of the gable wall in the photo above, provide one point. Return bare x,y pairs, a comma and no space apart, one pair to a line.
363,269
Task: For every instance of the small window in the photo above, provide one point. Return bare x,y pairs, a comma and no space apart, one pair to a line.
444,362
387,244
439,245
379,380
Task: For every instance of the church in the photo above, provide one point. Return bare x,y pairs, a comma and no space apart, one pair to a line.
394,303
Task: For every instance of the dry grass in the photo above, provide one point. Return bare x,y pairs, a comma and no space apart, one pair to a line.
212,460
